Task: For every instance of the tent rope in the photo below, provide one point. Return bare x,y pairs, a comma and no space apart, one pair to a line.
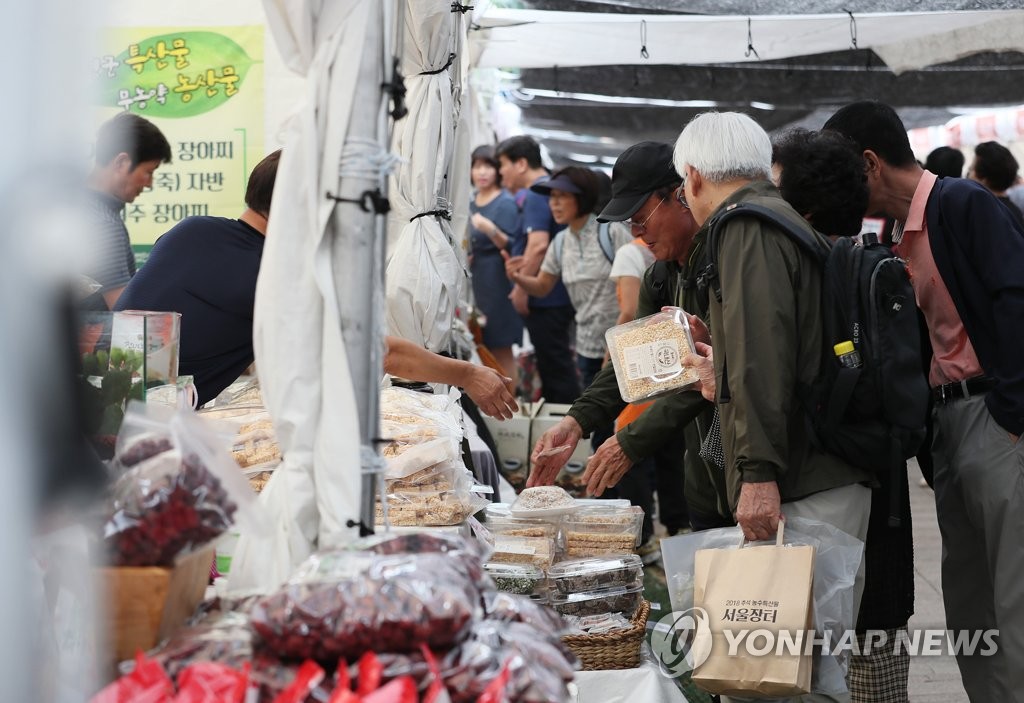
459,7
443,214
643,40
451,59
853,29
750,43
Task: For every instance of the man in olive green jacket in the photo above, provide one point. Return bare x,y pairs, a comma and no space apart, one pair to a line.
767,331
643,184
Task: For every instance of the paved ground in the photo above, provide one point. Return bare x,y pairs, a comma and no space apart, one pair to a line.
932,679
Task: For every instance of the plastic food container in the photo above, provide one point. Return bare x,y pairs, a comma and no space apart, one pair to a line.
647,355
589,534
538,551
521,527
599,602
582,575
520,579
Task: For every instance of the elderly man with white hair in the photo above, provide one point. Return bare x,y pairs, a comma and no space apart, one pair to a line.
767,335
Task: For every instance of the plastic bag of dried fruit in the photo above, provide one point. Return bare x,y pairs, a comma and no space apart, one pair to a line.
177,488
342,604
647,355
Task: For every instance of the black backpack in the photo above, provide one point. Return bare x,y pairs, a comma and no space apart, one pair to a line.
872,416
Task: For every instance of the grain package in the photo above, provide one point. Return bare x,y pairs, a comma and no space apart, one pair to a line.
647,355
597,531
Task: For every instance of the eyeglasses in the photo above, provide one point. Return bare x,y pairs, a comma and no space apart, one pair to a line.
640,228
681,195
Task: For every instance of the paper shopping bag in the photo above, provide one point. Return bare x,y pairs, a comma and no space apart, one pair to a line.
757,601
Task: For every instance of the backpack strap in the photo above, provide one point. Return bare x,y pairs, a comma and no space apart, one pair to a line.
559,243
708,278
604,239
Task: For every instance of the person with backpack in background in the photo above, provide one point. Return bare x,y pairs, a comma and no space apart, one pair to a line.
671,429
767,331
965,254
821,174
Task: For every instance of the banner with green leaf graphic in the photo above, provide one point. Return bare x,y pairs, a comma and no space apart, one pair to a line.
203,87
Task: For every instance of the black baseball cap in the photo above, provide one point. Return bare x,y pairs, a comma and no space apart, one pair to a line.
639,171
561,183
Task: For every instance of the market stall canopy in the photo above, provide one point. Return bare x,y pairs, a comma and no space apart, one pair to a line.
907,40
304,363
424,274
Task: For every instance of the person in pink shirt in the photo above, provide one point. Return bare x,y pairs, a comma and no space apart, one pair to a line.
965,255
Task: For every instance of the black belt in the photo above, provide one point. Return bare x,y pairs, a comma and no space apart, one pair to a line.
949,392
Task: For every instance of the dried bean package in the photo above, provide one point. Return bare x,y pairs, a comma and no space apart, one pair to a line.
341,604
647,355
178,490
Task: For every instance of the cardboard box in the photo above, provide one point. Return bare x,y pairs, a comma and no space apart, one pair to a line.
513,437
146,604
549,415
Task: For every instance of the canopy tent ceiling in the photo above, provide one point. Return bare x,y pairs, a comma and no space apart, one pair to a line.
588,114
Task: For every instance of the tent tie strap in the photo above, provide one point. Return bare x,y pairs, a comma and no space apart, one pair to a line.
443,214
459,7
451,60
370,201
396,87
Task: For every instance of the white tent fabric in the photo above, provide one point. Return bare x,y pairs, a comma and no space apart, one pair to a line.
297,334
908,40
424,273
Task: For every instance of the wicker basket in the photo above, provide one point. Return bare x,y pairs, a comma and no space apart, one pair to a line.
613,650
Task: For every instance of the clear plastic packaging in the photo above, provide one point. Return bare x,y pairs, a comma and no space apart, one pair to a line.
539,667
433,509
178,491
580,575
597,624
647,355
424,430
439,477
508,607
538,551
522,527
599,531
344,603
598,602
518,579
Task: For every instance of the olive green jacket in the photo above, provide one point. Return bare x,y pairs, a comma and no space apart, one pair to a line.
665,283
767,331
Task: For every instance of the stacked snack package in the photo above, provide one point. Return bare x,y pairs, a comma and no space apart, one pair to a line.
426,482
412,618
251,439
576,555
176,490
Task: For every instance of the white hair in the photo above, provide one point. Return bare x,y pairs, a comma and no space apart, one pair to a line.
724,146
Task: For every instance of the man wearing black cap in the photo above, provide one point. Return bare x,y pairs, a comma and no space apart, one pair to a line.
644,184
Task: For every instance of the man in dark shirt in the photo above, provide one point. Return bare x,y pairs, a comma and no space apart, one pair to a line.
206,268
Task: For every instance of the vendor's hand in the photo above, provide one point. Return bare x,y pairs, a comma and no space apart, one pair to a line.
520,301
607,467
759,510
544,469
492,392
704,363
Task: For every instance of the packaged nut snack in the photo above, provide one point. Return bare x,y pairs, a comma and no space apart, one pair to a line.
599,602
521,527
520,579
597,532
647,355
590,574
538,551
